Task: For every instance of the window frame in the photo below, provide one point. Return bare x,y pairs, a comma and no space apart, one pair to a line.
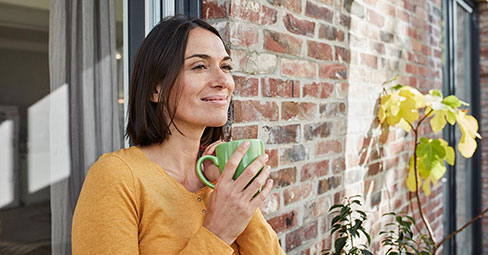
449,87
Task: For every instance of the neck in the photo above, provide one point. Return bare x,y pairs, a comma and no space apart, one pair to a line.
178,155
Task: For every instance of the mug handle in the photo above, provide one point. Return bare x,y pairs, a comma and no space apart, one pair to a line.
215,160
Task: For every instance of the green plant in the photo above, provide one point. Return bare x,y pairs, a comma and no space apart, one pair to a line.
407,108
348,223
400,238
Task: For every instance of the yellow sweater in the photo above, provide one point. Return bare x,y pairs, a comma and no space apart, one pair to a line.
130,205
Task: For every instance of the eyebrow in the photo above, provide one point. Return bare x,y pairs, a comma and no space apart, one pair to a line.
205,56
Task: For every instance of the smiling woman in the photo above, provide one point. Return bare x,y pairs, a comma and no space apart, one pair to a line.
147,199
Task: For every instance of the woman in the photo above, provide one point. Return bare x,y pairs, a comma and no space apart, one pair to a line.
147,199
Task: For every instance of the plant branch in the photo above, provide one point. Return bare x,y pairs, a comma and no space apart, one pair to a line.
461,228
427,225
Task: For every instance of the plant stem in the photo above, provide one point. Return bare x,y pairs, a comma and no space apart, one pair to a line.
427,225
350,224
461,228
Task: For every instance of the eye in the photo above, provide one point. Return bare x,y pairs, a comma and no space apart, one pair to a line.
227,67
198,67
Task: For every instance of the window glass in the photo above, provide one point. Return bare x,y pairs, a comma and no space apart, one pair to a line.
462,76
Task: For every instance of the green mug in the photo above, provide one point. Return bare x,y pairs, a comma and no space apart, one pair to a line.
224,151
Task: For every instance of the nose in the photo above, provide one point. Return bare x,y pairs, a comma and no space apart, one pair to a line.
221,79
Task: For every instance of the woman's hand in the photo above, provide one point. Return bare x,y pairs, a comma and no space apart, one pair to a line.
230,206
211,171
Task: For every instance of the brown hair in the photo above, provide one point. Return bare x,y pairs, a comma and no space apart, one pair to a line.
159,61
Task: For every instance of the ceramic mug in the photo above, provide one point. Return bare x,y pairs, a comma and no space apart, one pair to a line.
224,151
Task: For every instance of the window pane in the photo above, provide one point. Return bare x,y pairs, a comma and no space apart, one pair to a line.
463,92
25,214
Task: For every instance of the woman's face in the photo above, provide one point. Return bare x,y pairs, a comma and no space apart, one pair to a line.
205,81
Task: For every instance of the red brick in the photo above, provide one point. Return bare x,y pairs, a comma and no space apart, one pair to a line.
243,35
340,35
296,193
295,110
403,15
328,184
281,134
272,87
318,90
319,50
410,69
317,130
255,110
342,54
328,32
315,169
298,26
273,157
282,43
332,110
375,168
345,20
213,9
246,86
338,165
369,60
301,235
293,154
328,147
292,5
284,177
333,71
378,47
297,68
317,207
375,18
284,221
315,11
245,132
253,12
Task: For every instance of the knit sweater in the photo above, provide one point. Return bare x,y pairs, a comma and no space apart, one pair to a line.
130,205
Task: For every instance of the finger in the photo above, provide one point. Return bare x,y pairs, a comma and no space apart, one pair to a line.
233,162
259,199
251,171
257,183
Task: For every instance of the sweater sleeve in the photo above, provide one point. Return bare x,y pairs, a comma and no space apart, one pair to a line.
206,242
105,220
259,237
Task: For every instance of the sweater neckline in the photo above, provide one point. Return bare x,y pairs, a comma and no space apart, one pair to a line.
180,186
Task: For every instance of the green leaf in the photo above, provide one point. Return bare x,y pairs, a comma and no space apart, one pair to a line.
438,170
397,87
366,252
452,101
431,151
451,117
366,234
435,92
339,244
335,219
335,206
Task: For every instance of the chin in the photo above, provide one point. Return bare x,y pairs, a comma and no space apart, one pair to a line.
216,122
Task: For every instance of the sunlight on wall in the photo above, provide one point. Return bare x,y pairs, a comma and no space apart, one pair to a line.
48,132
6,162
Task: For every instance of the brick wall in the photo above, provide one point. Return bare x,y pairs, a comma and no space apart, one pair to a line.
483,26
308,75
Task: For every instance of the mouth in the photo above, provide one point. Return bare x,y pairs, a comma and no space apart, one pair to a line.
216,99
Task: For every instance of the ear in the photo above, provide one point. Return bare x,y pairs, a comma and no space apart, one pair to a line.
155,94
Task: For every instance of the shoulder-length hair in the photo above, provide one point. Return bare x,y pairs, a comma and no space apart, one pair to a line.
158,62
